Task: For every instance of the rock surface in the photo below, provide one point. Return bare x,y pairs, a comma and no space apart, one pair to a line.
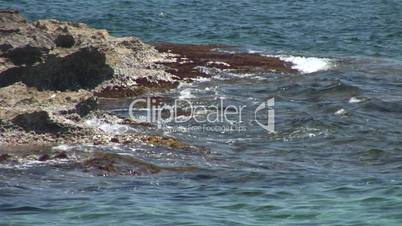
53,73
50,72
187,59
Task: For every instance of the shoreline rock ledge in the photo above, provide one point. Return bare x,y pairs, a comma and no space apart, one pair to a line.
53,75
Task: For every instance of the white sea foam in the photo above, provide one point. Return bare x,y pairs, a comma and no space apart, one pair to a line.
354,100
107,127
214,63
202,79
309,64
186,94
63,147
340,112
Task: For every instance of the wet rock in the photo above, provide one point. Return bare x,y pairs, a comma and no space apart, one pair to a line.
157,84
17,32
4,157
61,155
44,157
5,47
169,142
51,70
114,140
119,91
186,59
108,164
5,30
85,107
11,11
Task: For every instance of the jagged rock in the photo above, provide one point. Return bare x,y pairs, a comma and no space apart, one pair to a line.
114,164
119,91
85,68
44,157
59,56
50,72
65,41
85,107
61,155
16,32
27,55
4,157
39,122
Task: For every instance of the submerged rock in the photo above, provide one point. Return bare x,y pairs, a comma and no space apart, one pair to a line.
107,164
186,59
61,155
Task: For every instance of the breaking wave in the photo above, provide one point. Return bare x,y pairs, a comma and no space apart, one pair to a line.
309,64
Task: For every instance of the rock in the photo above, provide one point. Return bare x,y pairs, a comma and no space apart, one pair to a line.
44,157
52,71
108,164
186,58
25,55
114,140
65,41
84,69
39,122
4,157
61,155
119,91
85,107
17,32
71,56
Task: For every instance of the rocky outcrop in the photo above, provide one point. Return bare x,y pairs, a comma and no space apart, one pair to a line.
39,122
59,56
53,74
50,72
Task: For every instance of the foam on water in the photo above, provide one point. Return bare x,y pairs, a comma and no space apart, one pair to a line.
107,127
340,112
308,64
354,100
301,63
186,94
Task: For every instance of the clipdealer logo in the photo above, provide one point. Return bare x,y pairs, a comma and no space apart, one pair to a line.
213,114
268,108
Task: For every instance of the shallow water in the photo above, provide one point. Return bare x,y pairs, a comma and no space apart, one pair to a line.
335,158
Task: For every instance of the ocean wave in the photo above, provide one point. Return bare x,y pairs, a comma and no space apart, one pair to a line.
309,65
305,65
384,106
336,89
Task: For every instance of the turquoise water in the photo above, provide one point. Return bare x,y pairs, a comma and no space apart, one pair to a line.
336,156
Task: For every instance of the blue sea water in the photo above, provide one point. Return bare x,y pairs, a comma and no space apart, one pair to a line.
336,156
